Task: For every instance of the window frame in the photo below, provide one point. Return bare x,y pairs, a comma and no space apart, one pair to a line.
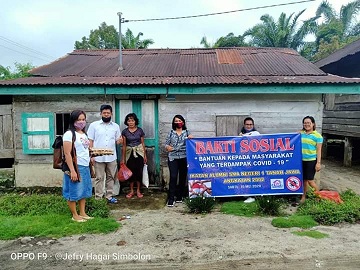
26,133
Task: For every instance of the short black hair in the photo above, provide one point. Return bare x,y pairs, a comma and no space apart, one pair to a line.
312,119
131,115
105,107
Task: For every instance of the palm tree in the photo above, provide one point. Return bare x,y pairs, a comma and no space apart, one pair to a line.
283,33
338,24
129,41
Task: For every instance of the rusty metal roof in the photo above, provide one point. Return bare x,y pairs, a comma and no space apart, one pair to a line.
229,66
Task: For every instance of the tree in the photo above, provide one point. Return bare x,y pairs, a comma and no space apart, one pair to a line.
337,30
107,37
284,33
230,40
21,70
338,24
129,41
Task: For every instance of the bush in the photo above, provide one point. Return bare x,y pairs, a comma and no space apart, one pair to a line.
200,205
270,205
327,212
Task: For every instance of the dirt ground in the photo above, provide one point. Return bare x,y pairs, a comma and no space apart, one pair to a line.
158,237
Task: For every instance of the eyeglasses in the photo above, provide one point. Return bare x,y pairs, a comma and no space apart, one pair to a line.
248,124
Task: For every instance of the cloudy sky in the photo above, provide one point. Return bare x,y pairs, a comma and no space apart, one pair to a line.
41,31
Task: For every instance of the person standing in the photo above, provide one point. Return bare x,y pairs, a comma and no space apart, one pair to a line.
134,152
311,143
105,134
77,181
249,129
176,147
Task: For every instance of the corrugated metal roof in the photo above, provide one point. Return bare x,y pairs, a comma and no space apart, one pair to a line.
227,66
349,49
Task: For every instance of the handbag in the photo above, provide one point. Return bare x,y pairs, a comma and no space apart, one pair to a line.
124,173
145,176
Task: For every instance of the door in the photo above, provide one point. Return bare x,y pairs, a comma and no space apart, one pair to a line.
147,112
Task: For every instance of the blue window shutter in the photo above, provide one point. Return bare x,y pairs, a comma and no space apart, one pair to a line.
37,133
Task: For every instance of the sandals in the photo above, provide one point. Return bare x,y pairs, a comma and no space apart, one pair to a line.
112,200
130,195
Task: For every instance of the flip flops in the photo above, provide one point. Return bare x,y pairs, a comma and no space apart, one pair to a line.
130,195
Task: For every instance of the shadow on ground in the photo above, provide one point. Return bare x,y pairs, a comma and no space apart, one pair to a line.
152,200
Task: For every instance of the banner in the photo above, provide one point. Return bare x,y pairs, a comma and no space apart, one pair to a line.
268,164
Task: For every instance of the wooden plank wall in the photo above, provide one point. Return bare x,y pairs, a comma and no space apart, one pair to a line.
342,115
272,113
6,132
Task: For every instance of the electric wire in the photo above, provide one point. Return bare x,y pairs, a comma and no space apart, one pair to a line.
218,13
26,48
24,53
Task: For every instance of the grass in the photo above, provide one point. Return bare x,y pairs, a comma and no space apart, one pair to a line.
303,222
239,208
49,215
312,234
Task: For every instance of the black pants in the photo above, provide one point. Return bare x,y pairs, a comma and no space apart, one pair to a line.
178,167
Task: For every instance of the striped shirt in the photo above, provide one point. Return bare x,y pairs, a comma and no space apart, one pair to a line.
309,143
178,143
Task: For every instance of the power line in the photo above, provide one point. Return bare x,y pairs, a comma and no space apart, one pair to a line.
24,53
218,13
26,48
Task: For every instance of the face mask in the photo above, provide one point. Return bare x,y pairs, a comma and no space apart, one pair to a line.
179,125
106,119
80,125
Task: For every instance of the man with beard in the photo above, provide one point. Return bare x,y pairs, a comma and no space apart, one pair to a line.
105,134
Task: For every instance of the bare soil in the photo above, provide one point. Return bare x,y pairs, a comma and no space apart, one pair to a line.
158,237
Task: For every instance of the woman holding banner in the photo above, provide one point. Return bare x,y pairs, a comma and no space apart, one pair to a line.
249,130
176,147
311,142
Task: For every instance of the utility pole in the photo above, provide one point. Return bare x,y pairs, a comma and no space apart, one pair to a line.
120,49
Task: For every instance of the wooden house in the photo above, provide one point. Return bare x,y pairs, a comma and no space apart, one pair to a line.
214,89
341,120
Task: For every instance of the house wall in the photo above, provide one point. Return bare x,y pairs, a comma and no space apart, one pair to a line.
342,115
36,170
272,113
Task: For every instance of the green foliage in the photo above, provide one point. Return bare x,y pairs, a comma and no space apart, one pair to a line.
304,222
52,225
283,33
49,215
36,205
327,212
200,205
107,37
21,70
270,205
312,234
239,209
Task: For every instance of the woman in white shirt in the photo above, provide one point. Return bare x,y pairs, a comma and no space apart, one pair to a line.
77,180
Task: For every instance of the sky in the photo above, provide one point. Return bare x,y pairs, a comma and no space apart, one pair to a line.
41,31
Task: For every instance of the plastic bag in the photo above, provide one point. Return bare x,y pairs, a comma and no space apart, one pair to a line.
145,176
329,195
124,173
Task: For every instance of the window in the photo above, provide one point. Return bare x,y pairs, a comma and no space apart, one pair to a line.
37,133
62,123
